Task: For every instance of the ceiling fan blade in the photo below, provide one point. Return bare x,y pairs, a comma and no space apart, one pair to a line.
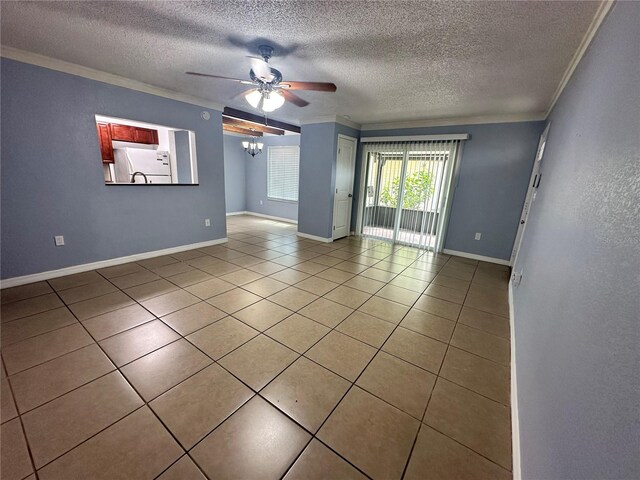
316,86
261,69
244,82
293,98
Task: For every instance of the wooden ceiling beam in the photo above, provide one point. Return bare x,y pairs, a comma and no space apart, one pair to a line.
251,126
251,117
244,131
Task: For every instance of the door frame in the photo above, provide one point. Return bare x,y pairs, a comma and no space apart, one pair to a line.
353,178
534,183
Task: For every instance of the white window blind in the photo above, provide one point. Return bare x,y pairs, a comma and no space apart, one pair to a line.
283,164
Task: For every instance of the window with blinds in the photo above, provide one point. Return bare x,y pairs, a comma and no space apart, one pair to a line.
283,165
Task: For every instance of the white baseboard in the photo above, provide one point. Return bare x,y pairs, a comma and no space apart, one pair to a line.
473,256
515,420
314,237
270,217
85,267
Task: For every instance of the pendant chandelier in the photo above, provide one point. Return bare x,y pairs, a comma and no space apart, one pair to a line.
252,147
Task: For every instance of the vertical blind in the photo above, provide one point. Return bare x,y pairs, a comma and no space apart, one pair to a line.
408,191
283,164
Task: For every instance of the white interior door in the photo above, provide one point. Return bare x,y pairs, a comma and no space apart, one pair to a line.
343,197
534,181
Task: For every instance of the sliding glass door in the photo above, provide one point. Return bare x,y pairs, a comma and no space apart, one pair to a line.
407,191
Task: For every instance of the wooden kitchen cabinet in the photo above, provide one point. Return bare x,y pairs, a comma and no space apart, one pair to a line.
127,133
106,148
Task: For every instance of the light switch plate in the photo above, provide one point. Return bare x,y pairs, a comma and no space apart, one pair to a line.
59,239
207,222
478,236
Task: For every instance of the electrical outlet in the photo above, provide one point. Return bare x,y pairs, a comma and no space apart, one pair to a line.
516,278
59,239
207,222
478,236
260,202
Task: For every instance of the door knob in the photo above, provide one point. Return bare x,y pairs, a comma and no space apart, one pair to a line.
350,195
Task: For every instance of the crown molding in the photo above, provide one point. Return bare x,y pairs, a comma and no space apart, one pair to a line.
601,14
100,76
331,119
448,122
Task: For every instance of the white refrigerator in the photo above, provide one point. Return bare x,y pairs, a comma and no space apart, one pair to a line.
155,165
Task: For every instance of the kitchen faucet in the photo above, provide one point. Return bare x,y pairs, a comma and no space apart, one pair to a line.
133,177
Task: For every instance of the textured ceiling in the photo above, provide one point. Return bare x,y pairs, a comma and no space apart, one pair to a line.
391,60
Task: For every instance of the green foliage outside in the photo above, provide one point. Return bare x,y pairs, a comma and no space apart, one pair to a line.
418,187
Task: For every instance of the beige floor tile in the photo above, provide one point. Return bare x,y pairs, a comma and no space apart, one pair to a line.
193,318
258,361
183,469
293,298
173,269
40,384
266,268
351,267
297,332
157,262
111,323
67,421
290,276
419,274
169,302
316,285
99,305
310,267
349,297
188,255
85,292
371,434
241,277
37,324
385,309
29,306
138,446
494,324
221,337
136,342
8,408
482,376
220,268
341,354
461,271
23,292
445,293
438,307
427,324
399,383
366,328
365,284
149,290
237,449
288,260
15,462
162,369
445,459
483,344
265,287
75,280
134,279
234,300
488,299
409,283
475,421
186,279
326,312
205,261
452,282
262,315
118,271
196,406
399,295
317,462
388,266
422,351
36,350
210,288
377,274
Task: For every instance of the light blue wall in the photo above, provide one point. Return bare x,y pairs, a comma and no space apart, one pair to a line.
318,148
256,182
53,184
183,156
577,311
235,164
493,177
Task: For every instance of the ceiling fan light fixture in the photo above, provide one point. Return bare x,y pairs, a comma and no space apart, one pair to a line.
253,97
272,101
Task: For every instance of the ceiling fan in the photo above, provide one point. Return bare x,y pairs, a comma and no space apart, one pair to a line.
269,92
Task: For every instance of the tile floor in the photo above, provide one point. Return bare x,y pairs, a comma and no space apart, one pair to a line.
270,356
